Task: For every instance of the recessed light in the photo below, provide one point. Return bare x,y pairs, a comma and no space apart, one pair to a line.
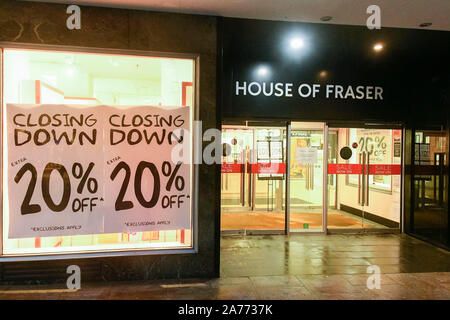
296,43
326,18
425,24
378,47
323,74
263,71
70,71
68,59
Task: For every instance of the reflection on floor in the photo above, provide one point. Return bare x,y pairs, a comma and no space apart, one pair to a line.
299,254
295,267
299,220
430,223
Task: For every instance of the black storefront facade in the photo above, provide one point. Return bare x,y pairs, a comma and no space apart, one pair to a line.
248,74
277,73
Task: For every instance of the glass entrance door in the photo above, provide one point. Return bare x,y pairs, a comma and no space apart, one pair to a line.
237,144
429,209
306,176
273,178
366,168
253,179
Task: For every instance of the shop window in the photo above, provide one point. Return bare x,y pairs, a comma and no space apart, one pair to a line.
86,145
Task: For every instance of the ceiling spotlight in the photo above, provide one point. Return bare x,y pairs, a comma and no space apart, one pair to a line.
114,62
70,71
263,71
68,59
296,43
326,18
425,24
323,74
378,47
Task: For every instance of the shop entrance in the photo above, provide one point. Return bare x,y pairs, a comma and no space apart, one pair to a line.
310,177
253,178
364,174
429,195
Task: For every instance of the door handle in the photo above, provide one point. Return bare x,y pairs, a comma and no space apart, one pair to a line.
359,180
310,172
308,176
363,178
242,178
367,175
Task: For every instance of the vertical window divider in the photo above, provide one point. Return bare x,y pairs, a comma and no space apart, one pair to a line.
325,180
287,218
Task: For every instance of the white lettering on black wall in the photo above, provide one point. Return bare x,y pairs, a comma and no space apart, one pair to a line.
305,90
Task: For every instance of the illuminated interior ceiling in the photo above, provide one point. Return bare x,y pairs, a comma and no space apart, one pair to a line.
398,13
117,67
110,79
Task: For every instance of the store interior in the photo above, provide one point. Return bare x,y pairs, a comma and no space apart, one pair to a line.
53,77
252,202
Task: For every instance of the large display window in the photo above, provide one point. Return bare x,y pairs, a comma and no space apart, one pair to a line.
96,152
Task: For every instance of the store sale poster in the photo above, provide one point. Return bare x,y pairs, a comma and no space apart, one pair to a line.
75,170
152,190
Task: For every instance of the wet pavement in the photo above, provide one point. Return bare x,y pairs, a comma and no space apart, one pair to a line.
299,254
294,267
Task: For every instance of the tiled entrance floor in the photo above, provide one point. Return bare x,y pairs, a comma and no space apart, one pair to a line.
295,267
300,254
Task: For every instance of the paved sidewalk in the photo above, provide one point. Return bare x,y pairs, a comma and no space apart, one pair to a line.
306,287
294,267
